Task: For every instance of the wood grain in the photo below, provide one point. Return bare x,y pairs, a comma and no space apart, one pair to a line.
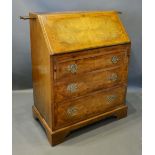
82,30
88,83
97,59
89,106
41,71
66,100
57,136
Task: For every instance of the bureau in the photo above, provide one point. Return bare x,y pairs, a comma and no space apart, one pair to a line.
79,69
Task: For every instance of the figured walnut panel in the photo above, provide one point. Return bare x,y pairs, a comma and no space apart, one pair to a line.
73,87
70,32
89,63
74,111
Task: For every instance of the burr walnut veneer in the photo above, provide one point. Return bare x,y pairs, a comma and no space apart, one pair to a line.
79,69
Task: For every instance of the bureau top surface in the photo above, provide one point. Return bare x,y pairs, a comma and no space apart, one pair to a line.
74,31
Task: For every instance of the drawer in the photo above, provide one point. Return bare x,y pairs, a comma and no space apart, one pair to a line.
75,64
81,85
68,113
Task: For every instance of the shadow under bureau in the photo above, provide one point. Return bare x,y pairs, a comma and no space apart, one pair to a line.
79,69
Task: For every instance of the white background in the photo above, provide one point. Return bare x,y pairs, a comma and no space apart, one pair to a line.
148,77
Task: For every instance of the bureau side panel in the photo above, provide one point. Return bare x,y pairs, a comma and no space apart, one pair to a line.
128,53
41,71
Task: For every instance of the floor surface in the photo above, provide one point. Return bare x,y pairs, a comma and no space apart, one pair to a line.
107,137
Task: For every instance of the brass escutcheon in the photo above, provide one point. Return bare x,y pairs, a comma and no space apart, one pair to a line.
113,77
72,111
72,68
111,98
114,59
72,87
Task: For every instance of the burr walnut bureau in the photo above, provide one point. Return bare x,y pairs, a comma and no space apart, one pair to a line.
79,69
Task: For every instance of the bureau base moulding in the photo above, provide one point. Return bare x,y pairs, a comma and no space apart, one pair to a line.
58,136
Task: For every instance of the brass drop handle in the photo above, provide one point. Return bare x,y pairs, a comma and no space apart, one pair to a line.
72,68
114,59
72,87
111,98
119,12
26,17
72,111
113,77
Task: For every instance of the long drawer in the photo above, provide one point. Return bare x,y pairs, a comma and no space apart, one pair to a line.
68,113
82,62
81,85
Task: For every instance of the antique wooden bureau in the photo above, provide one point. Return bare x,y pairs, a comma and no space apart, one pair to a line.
79,69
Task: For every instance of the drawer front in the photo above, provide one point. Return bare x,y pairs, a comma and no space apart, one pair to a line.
77,64
81,85
97,103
